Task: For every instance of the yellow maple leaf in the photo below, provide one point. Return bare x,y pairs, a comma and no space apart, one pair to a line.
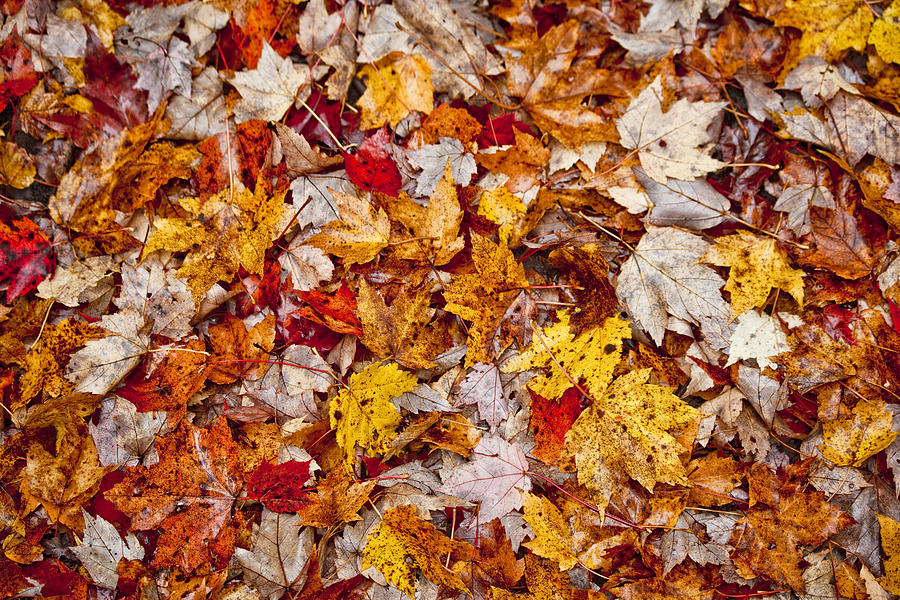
403,542
885,34
223,233
402,330
17,170
359,235
502,207
362,414
483,297
757,264
890,543
865,433
830,27
553,536
394,90
591,356
545,583
436,226
630,429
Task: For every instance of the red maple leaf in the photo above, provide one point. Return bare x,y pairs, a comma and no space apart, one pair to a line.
26,257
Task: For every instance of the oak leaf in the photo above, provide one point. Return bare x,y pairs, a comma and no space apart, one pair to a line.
483,297
395,89
222,234
360,234
362,414
403,330
758,265
667,142
403,543
631,429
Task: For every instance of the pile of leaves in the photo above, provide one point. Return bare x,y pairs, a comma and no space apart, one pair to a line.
429,299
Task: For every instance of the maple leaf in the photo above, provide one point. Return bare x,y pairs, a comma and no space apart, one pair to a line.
337,500
281,488
225,232
523,163
545,582
693,204
435,227
269,90
885,34
630,428
502,207
362,414
890,541
591,356
188,494
279,555
433,160
494,478
667,142
401,332
359,236
662,278
552,88
394,90
482,386
403,543
28,257
852,440
17,170
484,297
829,28
102,548
122,434
102,363
240,353
553,537
757,266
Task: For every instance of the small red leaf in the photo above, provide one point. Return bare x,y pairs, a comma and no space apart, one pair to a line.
372,167
26,257
280,487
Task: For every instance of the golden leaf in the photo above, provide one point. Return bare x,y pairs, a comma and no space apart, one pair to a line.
225,232
591,356
337,500
16,167
553,535
436,224
403,542
865,433
394,90
401,331
360,234
885,34
757,265
830,27
362,413
630,429
502,207
890,543
483,297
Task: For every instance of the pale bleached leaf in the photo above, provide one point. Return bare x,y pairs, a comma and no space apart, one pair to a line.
668,143
269,90
123,435
281,549
763,393
817,81
693,204
101,549
796,200
757,336
102,363
203,114
482,387
663,278
433,159
307,265
494,476
423,398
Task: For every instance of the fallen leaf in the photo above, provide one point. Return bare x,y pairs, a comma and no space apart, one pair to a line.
854,439
829,28
667,142
553,537
337,500
758,265
403,543
269,90
28,257
280,552
362,414
359,236
17,170
394,90
102,548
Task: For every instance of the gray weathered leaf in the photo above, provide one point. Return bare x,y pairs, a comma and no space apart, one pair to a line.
667,143
693,204
817,81
482,386
663,278
432,159
102,363
101,549
269,90
307,265
279,555
123,435
796,200
203,114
